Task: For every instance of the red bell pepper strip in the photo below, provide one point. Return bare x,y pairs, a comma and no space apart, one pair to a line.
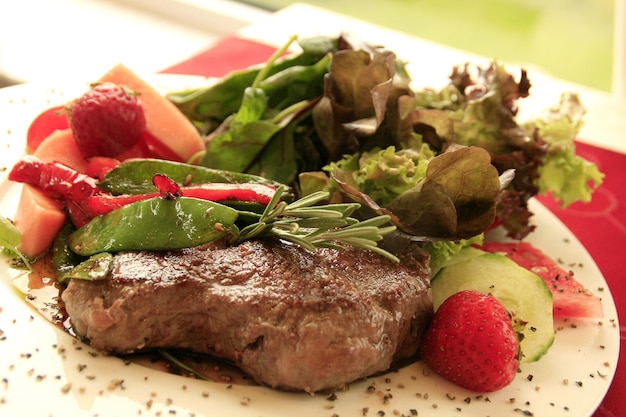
55,179
84,200
255,193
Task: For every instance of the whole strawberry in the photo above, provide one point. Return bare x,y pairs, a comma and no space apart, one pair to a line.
106,121
471,342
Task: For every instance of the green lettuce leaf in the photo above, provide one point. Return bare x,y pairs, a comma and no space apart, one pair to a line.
354,105
456,199
387,173
450,196
441,251
567,176
483,108
10,239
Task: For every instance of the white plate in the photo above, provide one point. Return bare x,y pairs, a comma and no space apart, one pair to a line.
45,372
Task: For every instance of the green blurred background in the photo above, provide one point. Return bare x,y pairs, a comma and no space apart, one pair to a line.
569,39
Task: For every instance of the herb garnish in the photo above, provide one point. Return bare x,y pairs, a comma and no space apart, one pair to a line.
312,226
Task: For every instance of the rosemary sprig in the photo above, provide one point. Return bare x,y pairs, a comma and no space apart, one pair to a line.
311,226
167,355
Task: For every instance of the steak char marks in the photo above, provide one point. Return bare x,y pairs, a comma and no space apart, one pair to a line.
289,318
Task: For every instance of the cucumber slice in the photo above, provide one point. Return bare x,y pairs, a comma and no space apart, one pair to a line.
521,292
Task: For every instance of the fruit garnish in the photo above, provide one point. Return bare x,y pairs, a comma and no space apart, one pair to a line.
51,119
524,295
107,120
571,298
472,342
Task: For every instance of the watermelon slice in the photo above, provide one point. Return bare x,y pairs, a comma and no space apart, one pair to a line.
44,125
571,299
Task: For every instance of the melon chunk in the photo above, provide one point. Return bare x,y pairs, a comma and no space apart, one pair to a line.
61,147
38,218
164,122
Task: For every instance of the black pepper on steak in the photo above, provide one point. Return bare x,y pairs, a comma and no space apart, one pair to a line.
290,318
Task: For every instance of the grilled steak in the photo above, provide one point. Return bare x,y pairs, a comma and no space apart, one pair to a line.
291,319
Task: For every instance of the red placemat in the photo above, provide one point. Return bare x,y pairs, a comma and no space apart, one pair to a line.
228,54
599,225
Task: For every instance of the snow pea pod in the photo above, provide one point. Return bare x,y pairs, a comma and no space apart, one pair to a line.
135,176
94,268
63,258
155,224
69,265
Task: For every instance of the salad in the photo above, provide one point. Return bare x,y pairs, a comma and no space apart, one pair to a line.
362,102
327,147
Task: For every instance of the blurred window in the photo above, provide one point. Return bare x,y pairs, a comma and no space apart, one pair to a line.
569,39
